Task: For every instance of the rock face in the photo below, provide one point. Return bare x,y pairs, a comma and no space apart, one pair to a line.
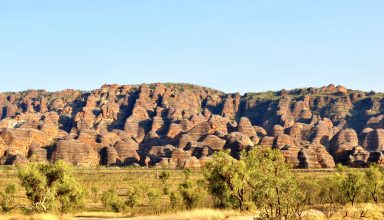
342,144
75,152
180,125
315,156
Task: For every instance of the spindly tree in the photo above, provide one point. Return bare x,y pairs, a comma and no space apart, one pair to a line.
7,202
352,185
164,176
226,178
274,189
374,183
51,187
261,177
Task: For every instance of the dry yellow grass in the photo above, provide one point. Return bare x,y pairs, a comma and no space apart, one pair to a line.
102,215
361,211
34,217
200,214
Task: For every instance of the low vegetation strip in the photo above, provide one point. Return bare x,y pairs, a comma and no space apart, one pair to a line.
259,184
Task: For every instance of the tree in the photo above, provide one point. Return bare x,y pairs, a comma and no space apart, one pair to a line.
111,200
164,176
132,196
274,188
187,172
260,178
226,180
7,198
173,200
51,187
374,182
327,195
352,185
154,196
190,194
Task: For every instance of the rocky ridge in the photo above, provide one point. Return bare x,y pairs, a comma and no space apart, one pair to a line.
182,125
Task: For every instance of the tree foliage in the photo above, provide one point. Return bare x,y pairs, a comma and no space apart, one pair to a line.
260,178
7,202
164,176
112,201
51,187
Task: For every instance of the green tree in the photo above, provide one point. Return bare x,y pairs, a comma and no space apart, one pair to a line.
190,193
260,178
7,198
173,200
226,178
327,195
274,189
132,196
154,196
374,182
187,173
164,176
352,184
112,201
51,187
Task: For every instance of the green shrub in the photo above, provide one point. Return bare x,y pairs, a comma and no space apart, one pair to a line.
191,193
132,197
164,176
51,187
112,201
173,200
7,202
260,178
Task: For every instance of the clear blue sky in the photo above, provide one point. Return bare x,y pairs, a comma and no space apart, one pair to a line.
228,45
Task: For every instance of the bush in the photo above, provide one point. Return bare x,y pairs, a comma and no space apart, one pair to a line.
374,183
164,176
7,198
226,180
190,194
154,197
111,200
51,187
261,177
132,197
173,200
95,193
273,187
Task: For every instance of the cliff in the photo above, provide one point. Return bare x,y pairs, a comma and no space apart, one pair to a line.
182,125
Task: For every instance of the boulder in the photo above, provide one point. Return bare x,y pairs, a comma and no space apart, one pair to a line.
19,140
127,152
358,157
277,130
315,156
214,142
200,130
37,153
376,157
15,160
342,144
111,157
260,131
374,140
237,142
245,127
157,153
75,152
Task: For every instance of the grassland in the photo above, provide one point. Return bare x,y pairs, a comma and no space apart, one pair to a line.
98,180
